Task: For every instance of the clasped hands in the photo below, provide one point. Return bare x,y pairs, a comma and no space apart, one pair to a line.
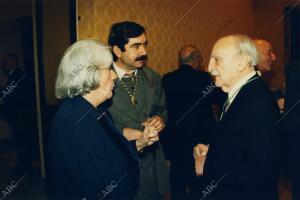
150,134
200,152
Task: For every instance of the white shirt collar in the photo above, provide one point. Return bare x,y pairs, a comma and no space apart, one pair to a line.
259,73
121,72
234,90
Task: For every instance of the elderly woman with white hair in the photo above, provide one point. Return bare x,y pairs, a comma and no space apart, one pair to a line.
88,157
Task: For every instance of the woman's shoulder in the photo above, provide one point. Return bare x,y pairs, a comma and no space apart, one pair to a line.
65,111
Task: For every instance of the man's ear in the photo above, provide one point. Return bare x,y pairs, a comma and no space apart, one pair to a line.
245,61
117,51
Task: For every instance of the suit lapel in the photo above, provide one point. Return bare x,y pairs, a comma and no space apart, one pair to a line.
144,87
121,97
147,89
236,100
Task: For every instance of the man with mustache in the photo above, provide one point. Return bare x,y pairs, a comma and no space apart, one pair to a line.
139,101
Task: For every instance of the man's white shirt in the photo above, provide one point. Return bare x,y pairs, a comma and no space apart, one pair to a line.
235,89
121,72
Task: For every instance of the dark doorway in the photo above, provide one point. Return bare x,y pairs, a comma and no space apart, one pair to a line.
292,33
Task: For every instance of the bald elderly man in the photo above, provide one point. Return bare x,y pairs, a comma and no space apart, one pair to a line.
189,95
266,58
242,163
266,55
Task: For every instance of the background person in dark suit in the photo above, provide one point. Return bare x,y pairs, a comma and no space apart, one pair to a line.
189,94
88,157
292,124
266,55
20,112
242,163
266,58
264,67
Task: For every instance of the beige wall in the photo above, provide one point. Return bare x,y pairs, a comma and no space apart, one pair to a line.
170,24
173,23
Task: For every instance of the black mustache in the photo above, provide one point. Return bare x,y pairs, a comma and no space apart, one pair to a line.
142,58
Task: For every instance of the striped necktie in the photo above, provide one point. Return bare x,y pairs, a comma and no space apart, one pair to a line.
225,108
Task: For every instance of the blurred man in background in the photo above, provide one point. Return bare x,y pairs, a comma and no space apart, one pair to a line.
19,112
189,94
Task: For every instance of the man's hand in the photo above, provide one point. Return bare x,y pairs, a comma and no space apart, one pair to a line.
280,103
199,165
157,122
148,137
200,150
132,134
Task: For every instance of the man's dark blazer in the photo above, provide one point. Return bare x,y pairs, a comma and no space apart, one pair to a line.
242,163
292,123
150,101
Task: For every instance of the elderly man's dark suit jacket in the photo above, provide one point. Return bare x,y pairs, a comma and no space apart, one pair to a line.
150,102
292,123
242,163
